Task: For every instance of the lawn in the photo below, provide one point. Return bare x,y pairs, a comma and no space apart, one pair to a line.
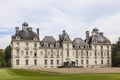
19,74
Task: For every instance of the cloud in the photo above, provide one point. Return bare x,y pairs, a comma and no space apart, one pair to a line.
52,16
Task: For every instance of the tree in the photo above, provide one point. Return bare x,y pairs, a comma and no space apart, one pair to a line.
8,56
116,55
2,59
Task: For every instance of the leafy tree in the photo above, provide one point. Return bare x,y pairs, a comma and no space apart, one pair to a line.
8,56
2,59
116,55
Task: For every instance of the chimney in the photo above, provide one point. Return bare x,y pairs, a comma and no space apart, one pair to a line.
87,34
37,31
17,29
30,28
101,33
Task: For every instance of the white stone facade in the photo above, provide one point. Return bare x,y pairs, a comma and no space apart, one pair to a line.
27,52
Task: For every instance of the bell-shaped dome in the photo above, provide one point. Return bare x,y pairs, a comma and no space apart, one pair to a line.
95,29
25,24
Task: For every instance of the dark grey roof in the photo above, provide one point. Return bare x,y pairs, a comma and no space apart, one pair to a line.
49,40
26,34
78,41
98,39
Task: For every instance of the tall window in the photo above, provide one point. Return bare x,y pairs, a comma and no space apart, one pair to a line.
27,44
102,53
35,53
26,52
17,62
77,62
52,53
57,53
45,62
45,53
81,61
67,53
77,54
17,44
17,52
101,47
35,62
87,53
87,62
81,53
51,62
95,53
107,53
26,62
35,45
57,62
101,61
108,62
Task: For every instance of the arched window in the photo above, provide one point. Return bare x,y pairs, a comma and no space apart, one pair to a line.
26,62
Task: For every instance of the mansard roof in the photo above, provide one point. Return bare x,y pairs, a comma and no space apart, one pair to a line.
49,39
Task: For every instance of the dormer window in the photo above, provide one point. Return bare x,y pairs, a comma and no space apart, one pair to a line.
52,45
18,37
45,44
57,45
35,38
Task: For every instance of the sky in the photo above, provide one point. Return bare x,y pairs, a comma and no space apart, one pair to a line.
53,16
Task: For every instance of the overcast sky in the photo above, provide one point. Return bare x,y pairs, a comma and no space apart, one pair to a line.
54,16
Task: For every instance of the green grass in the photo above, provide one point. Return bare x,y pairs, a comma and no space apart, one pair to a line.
19,74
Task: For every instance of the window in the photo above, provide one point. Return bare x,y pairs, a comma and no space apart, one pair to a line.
17,52
57,45
52,45
101,61
95,47
35,62
35,45
57,53
108,62
87,62
45,53
77,62
57,62
67,46
52,53
45,62
67,53
81,61
87,53
27,44
45,45
95,53
26,62
101,47
76,53
51,62
102,53
17,44
95,62
35,53
17,62
107,53
81,53
26,52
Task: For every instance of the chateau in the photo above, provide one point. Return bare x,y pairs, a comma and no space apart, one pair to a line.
28,50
